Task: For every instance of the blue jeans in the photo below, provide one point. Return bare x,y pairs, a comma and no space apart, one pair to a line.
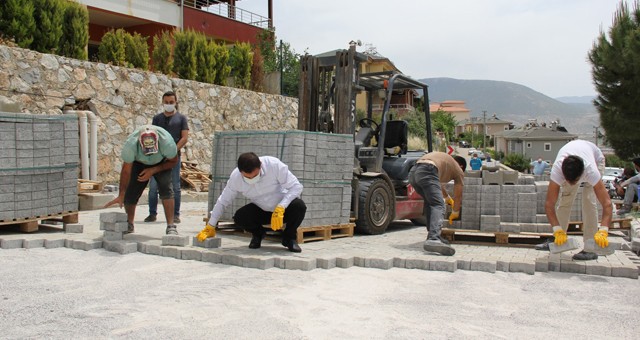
424,179
153,191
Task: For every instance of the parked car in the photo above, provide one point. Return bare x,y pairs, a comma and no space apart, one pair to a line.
480,154
464,144
472,150
609,177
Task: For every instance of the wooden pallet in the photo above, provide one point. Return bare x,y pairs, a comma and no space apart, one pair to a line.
497,238
616,223
85,186
305,234
31,224
195,177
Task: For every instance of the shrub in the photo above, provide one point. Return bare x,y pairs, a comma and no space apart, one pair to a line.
136,50
18,21
241,60
257,71
162,53
206,62
75,31
49,14
184,55
222,69
516,161
113,49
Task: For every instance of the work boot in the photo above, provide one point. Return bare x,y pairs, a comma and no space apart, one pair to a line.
130,229
437,246
150,218
172,230
545,245
256,241
624,210
292,245
176,219
585,256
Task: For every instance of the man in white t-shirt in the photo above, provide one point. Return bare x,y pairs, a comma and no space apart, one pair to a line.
578,162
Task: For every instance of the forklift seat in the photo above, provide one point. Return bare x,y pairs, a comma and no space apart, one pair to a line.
395,137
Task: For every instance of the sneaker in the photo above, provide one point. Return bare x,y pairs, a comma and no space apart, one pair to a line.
438,246
130,229
150,218
172,230
545,245
176,219
443,240
585,256
624,210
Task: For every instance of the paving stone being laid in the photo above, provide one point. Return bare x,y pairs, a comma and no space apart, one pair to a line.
11,244
212,242
74,228
53,243
121,247
36,243
175,240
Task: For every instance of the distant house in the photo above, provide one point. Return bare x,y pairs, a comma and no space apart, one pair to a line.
489,125
454,107
219,20
402,101
534,140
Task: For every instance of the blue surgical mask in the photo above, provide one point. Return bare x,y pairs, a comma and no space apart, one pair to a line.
251,180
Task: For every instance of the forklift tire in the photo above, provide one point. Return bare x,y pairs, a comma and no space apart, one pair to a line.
376,208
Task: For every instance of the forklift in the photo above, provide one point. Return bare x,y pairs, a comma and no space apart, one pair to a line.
381,192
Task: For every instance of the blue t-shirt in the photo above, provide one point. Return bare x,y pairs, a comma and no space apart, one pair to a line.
476,163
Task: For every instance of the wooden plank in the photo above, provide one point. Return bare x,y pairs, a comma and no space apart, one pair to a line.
496,238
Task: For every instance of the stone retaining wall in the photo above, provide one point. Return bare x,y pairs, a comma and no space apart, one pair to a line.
124,98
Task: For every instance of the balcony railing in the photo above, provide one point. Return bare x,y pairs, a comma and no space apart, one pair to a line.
398,107
228,11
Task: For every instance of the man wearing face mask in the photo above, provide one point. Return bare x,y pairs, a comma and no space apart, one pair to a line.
176,123
148,152
275,198
476,163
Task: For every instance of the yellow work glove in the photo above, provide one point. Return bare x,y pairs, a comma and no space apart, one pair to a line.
449,201
453,216
277,217
560,235
601,237
207,232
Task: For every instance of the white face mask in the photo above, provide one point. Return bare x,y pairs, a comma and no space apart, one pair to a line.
169,107
251,180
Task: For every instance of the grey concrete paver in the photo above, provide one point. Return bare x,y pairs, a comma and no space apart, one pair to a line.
400,247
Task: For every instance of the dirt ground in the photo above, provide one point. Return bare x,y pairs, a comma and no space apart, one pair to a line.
65,293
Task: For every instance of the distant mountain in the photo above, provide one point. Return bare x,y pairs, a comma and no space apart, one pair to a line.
513,102
576,99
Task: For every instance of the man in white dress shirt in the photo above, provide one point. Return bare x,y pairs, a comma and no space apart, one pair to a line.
275,198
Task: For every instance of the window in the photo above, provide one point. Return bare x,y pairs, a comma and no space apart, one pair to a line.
547,146
529,145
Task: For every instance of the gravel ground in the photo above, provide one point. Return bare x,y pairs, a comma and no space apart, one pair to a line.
64,293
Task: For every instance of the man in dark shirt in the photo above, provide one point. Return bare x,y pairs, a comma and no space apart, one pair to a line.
176,124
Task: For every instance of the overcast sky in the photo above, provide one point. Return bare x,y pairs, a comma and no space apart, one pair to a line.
542,44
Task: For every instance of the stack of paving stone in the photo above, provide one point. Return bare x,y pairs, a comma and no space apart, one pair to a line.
114,225
38,165
322,162
508,208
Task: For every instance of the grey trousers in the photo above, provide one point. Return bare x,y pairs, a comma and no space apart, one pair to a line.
424,179
630,194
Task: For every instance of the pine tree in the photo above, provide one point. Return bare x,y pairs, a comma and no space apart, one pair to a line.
184,55
19,22
162,53
616,74
49,14
75,31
